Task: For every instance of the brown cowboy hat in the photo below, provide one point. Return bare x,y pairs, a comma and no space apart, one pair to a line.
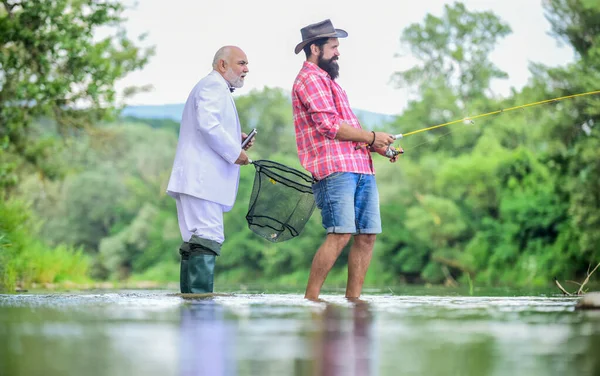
323,29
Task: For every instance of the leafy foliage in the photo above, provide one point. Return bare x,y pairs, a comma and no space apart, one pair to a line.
454,51
54,66
26,259
511,199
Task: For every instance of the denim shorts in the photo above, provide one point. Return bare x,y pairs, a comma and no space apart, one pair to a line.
349,203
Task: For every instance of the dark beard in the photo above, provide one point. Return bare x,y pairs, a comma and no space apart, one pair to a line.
329,66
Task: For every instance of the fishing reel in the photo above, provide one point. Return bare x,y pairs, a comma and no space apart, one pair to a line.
393,151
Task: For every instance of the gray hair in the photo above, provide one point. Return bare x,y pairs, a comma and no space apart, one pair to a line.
221,54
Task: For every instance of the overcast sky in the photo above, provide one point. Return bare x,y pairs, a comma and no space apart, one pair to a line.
186,34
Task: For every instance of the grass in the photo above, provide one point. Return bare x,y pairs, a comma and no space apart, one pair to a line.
26,260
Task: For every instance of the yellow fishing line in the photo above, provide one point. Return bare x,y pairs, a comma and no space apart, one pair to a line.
471,118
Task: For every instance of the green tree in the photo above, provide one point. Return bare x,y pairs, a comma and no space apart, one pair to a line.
520,190
453,76
59,61
106,187
54,64
574,131
270,112
454,49
576,22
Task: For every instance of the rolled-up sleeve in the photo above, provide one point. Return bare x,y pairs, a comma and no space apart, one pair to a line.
315,94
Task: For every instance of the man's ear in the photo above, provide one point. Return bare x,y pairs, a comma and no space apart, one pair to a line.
314,49
222,65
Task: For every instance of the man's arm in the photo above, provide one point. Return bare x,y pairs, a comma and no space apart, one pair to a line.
376,140
208,108
315,95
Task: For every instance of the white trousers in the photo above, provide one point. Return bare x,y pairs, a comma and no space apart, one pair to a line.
199,217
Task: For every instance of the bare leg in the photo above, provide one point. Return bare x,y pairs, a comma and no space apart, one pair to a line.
358,263
323,261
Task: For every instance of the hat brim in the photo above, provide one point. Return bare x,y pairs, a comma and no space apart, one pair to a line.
339,33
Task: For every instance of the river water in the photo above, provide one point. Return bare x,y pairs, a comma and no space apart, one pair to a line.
161,333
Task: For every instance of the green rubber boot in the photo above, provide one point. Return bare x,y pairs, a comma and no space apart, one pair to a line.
200,265
184,283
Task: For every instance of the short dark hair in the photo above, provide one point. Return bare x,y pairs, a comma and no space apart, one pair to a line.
318,42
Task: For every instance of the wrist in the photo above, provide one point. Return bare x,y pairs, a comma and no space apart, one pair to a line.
372,141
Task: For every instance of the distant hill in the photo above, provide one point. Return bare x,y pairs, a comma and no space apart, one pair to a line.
174,111
372,119
168,111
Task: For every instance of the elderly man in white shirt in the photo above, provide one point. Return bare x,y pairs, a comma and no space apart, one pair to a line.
206,170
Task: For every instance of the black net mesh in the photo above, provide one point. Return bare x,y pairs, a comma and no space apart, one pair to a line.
281,202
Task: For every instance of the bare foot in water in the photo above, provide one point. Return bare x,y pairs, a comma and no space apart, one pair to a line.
316,300
357,300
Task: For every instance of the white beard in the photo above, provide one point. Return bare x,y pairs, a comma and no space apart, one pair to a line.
235,81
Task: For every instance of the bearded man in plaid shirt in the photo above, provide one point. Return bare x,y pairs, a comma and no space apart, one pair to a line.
335,149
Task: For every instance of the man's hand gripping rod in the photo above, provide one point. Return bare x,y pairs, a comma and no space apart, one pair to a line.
391,150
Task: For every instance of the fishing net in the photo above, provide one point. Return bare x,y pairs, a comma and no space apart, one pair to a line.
281,201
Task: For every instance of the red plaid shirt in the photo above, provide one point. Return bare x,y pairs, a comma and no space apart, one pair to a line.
320,106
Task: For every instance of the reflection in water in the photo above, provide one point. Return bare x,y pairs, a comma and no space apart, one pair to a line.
339,340
206,340
156,333
343,345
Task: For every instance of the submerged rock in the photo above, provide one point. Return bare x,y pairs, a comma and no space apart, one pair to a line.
589,301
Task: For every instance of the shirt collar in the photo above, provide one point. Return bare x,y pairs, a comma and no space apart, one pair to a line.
310,66
222,79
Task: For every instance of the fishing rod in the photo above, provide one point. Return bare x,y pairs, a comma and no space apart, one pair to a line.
393,151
